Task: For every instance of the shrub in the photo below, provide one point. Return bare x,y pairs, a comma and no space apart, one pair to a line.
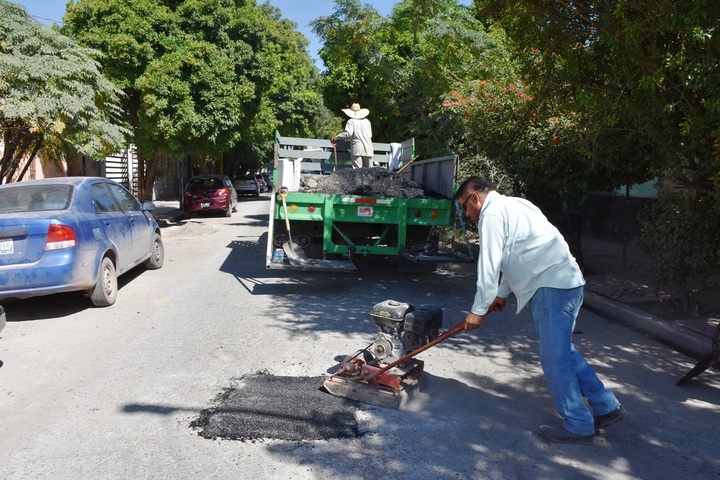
680,233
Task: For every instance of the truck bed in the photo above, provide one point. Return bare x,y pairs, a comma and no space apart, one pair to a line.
333,228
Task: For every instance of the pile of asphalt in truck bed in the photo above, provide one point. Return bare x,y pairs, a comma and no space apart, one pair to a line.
375,182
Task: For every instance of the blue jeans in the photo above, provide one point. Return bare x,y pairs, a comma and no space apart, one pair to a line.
568,374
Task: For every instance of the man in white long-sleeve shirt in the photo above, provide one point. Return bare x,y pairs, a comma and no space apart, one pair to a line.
517,241
359,131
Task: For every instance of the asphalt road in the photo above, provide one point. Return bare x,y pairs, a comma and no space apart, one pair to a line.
89,393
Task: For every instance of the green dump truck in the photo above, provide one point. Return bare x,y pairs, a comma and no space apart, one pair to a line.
328,231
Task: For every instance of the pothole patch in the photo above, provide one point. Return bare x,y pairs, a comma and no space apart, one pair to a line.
263,406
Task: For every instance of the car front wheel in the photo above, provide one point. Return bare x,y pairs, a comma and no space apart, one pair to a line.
158,254
105,292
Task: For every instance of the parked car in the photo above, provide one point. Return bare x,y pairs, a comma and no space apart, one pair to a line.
247,185
268,180
73,234
261,182
209,193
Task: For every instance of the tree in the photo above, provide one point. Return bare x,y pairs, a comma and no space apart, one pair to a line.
401,66
682,236
53,97
455,87
201,78
644,75
287,90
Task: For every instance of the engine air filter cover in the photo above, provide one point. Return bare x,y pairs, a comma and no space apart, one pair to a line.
425,321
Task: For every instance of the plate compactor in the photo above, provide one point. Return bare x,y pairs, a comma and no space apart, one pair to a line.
385,372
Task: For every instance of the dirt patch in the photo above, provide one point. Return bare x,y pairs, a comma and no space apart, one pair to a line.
263,406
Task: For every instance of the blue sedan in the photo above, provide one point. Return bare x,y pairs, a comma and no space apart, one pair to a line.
73,234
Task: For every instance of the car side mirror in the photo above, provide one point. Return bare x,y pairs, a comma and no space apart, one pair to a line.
147,206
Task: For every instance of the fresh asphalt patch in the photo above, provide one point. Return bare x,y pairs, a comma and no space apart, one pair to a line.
263,406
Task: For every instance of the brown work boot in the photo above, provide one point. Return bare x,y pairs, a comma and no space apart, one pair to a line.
560,435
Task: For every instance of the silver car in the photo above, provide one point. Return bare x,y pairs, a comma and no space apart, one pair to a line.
247,185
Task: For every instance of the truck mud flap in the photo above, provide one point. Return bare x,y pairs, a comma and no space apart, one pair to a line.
315,265
437,257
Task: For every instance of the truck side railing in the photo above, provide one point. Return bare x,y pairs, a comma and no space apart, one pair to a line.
319,156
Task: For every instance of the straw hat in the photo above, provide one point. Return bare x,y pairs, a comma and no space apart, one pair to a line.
355,111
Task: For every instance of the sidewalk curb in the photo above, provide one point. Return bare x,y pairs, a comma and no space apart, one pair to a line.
677,337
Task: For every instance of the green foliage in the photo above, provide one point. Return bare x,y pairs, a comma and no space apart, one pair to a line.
400,67
202,77
681,237
525,146
455,87
191,102
644,77
644,74
55,99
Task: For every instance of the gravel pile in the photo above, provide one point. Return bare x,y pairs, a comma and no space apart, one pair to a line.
188,229
375,182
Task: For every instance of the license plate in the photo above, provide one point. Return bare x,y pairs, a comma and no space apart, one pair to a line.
365,212
6,246
205,205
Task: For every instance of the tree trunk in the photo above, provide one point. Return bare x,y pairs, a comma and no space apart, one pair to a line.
30,158
147,168
150,171
74,165
140,175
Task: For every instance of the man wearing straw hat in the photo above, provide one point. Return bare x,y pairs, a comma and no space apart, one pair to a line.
359,131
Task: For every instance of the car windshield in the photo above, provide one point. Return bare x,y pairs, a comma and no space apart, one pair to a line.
249,177
35,198
209,182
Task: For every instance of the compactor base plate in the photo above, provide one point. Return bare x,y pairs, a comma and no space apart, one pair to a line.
374,394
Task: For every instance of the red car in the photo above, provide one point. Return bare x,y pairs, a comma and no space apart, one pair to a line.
209,193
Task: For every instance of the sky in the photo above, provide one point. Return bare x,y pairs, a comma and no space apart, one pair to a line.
301,12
